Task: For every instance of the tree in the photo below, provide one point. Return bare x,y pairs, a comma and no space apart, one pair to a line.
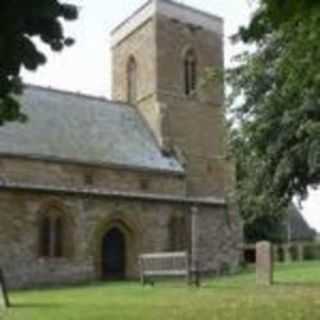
276,106
20,22
265,228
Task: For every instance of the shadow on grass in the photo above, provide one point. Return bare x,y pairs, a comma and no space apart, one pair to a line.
72,286
34,306
297,284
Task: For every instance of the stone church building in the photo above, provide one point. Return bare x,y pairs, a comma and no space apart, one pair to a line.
87,184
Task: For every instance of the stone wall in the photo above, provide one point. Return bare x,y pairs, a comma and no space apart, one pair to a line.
219,236
173,39
141,45
192,127
146,226
196,122
46,173
202,145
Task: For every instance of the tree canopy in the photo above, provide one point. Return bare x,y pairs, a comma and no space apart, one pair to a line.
20,22
276,106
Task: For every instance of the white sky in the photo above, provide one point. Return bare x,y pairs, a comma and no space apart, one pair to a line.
86,66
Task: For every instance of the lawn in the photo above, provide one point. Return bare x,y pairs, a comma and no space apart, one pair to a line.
295,296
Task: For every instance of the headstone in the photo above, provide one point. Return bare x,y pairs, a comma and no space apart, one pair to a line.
264,263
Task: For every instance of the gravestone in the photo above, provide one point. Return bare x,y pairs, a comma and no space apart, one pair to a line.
4,299
264,263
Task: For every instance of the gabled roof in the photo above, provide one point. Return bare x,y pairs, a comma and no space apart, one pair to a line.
77,127
298,226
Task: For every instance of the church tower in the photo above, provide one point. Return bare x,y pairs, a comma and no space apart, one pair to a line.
161,55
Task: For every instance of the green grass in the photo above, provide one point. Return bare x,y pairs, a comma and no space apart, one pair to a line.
295,296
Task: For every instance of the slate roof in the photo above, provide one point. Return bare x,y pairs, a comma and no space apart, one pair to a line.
299,227
77,127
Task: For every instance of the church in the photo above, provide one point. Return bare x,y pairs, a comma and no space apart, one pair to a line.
88,184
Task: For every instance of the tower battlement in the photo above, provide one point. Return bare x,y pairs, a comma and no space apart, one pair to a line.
172,9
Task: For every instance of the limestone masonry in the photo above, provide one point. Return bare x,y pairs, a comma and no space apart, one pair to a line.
88,184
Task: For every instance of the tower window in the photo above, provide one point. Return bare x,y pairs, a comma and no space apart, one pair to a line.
51,234
132,80
190,72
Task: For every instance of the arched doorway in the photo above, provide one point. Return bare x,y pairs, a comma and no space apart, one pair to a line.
113,255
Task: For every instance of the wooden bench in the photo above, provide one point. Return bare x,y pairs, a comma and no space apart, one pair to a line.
165,264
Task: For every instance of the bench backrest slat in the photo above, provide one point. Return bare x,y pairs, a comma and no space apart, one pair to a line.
164,264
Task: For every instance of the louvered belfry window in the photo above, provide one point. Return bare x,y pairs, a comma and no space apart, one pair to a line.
190,72
132,80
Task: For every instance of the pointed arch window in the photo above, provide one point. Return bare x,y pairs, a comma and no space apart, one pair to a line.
58,240
45,237
178,233
51,234
132,71
190,72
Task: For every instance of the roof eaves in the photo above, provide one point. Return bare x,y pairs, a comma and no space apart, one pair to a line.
77,94
109,165
4,185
